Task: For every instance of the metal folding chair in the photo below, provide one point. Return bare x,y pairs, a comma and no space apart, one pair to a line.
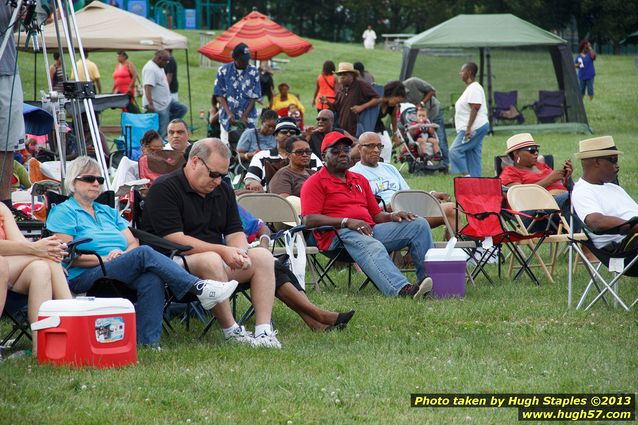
618,264
532,198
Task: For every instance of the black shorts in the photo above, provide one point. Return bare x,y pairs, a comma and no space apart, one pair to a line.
283,274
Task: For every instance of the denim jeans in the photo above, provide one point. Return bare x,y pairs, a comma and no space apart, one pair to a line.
371,253
465,155
440,132
172,111
146,271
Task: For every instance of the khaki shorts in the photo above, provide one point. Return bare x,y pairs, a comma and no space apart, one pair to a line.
11,113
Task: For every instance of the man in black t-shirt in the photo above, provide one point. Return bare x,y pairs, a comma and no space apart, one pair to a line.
171,75
193,206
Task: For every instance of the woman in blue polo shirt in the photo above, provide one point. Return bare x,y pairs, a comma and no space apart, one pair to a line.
584,63
140,267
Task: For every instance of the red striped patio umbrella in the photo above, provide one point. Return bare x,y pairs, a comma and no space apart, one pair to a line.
264,37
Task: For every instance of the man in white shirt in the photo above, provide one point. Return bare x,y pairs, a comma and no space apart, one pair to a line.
157,95
601,203
385,180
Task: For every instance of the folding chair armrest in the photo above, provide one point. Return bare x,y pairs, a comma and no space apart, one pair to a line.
616,229
157,242
99,259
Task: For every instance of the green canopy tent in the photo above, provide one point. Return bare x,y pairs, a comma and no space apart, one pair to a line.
503,31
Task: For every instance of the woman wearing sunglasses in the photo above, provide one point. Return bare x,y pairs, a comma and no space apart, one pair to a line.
289,179
527,168
139,267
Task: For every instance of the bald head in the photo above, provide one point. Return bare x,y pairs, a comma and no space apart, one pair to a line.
370,147
325,120
204,148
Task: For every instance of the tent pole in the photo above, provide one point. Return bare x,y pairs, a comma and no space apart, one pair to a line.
481,64
190,101
489,88
35,73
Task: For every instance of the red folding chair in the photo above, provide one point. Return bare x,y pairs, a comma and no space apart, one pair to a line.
480,200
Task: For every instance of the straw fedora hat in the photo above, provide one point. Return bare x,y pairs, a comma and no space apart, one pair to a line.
345,67
519,141
597,147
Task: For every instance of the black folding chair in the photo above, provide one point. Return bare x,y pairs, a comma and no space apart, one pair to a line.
617,262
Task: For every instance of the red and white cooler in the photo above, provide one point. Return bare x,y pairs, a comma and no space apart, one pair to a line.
87,331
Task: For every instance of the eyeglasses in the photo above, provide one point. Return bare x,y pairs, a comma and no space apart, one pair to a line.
373,146
287,132
612,159
301,152
342,149
532,149
212,174
322,119
90,179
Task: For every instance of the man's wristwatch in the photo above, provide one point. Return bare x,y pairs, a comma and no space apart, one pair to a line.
344,222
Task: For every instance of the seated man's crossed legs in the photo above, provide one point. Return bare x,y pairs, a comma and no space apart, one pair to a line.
371,254
260,275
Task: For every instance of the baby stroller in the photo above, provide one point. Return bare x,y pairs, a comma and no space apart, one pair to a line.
410,153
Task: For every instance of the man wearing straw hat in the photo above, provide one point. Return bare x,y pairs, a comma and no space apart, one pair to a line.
599,201
353,97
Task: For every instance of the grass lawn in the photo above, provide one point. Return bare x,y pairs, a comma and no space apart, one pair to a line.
512,337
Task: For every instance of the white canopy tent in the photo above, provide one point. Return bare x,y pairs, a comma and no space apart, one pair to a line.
107,28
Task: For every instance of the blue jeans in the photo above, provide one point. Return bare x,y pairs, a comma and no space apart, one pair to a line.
465,155
146,271
440,132
586,85
371,253
172,111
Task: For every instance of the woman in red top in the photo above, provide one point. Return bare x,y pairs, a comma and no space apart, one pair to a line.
326,89
528,169
124,77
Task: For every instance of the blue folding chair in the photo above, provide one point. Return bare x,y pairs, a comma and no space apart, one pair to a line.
133,128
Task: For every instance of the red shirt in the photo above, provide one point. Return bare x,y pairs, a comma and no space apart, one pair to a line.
512,174
326,194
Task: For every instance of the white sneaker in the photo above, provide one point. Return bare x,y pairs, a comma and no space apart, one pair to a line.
424,288
214,292
240,336
267,339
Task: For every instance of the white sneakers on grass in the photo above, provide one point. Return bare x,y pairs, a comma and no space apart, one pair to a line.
240,336
267,339
214,292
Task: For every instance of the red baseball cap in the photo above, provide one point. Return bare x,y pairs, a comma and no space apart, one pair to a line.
332,138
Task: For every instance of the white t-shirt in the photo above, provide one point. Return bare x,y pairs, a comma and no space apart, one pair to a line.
384,179
153,75
607,199
473,94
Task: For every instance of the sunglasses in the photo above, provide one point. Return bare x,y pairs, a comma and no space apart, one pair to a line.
612,159
287,132
212,174
373,146
90,179
301,152
532,149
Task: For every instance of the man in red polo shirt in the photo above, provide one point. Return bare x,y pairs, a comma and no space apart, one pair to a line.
337,197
